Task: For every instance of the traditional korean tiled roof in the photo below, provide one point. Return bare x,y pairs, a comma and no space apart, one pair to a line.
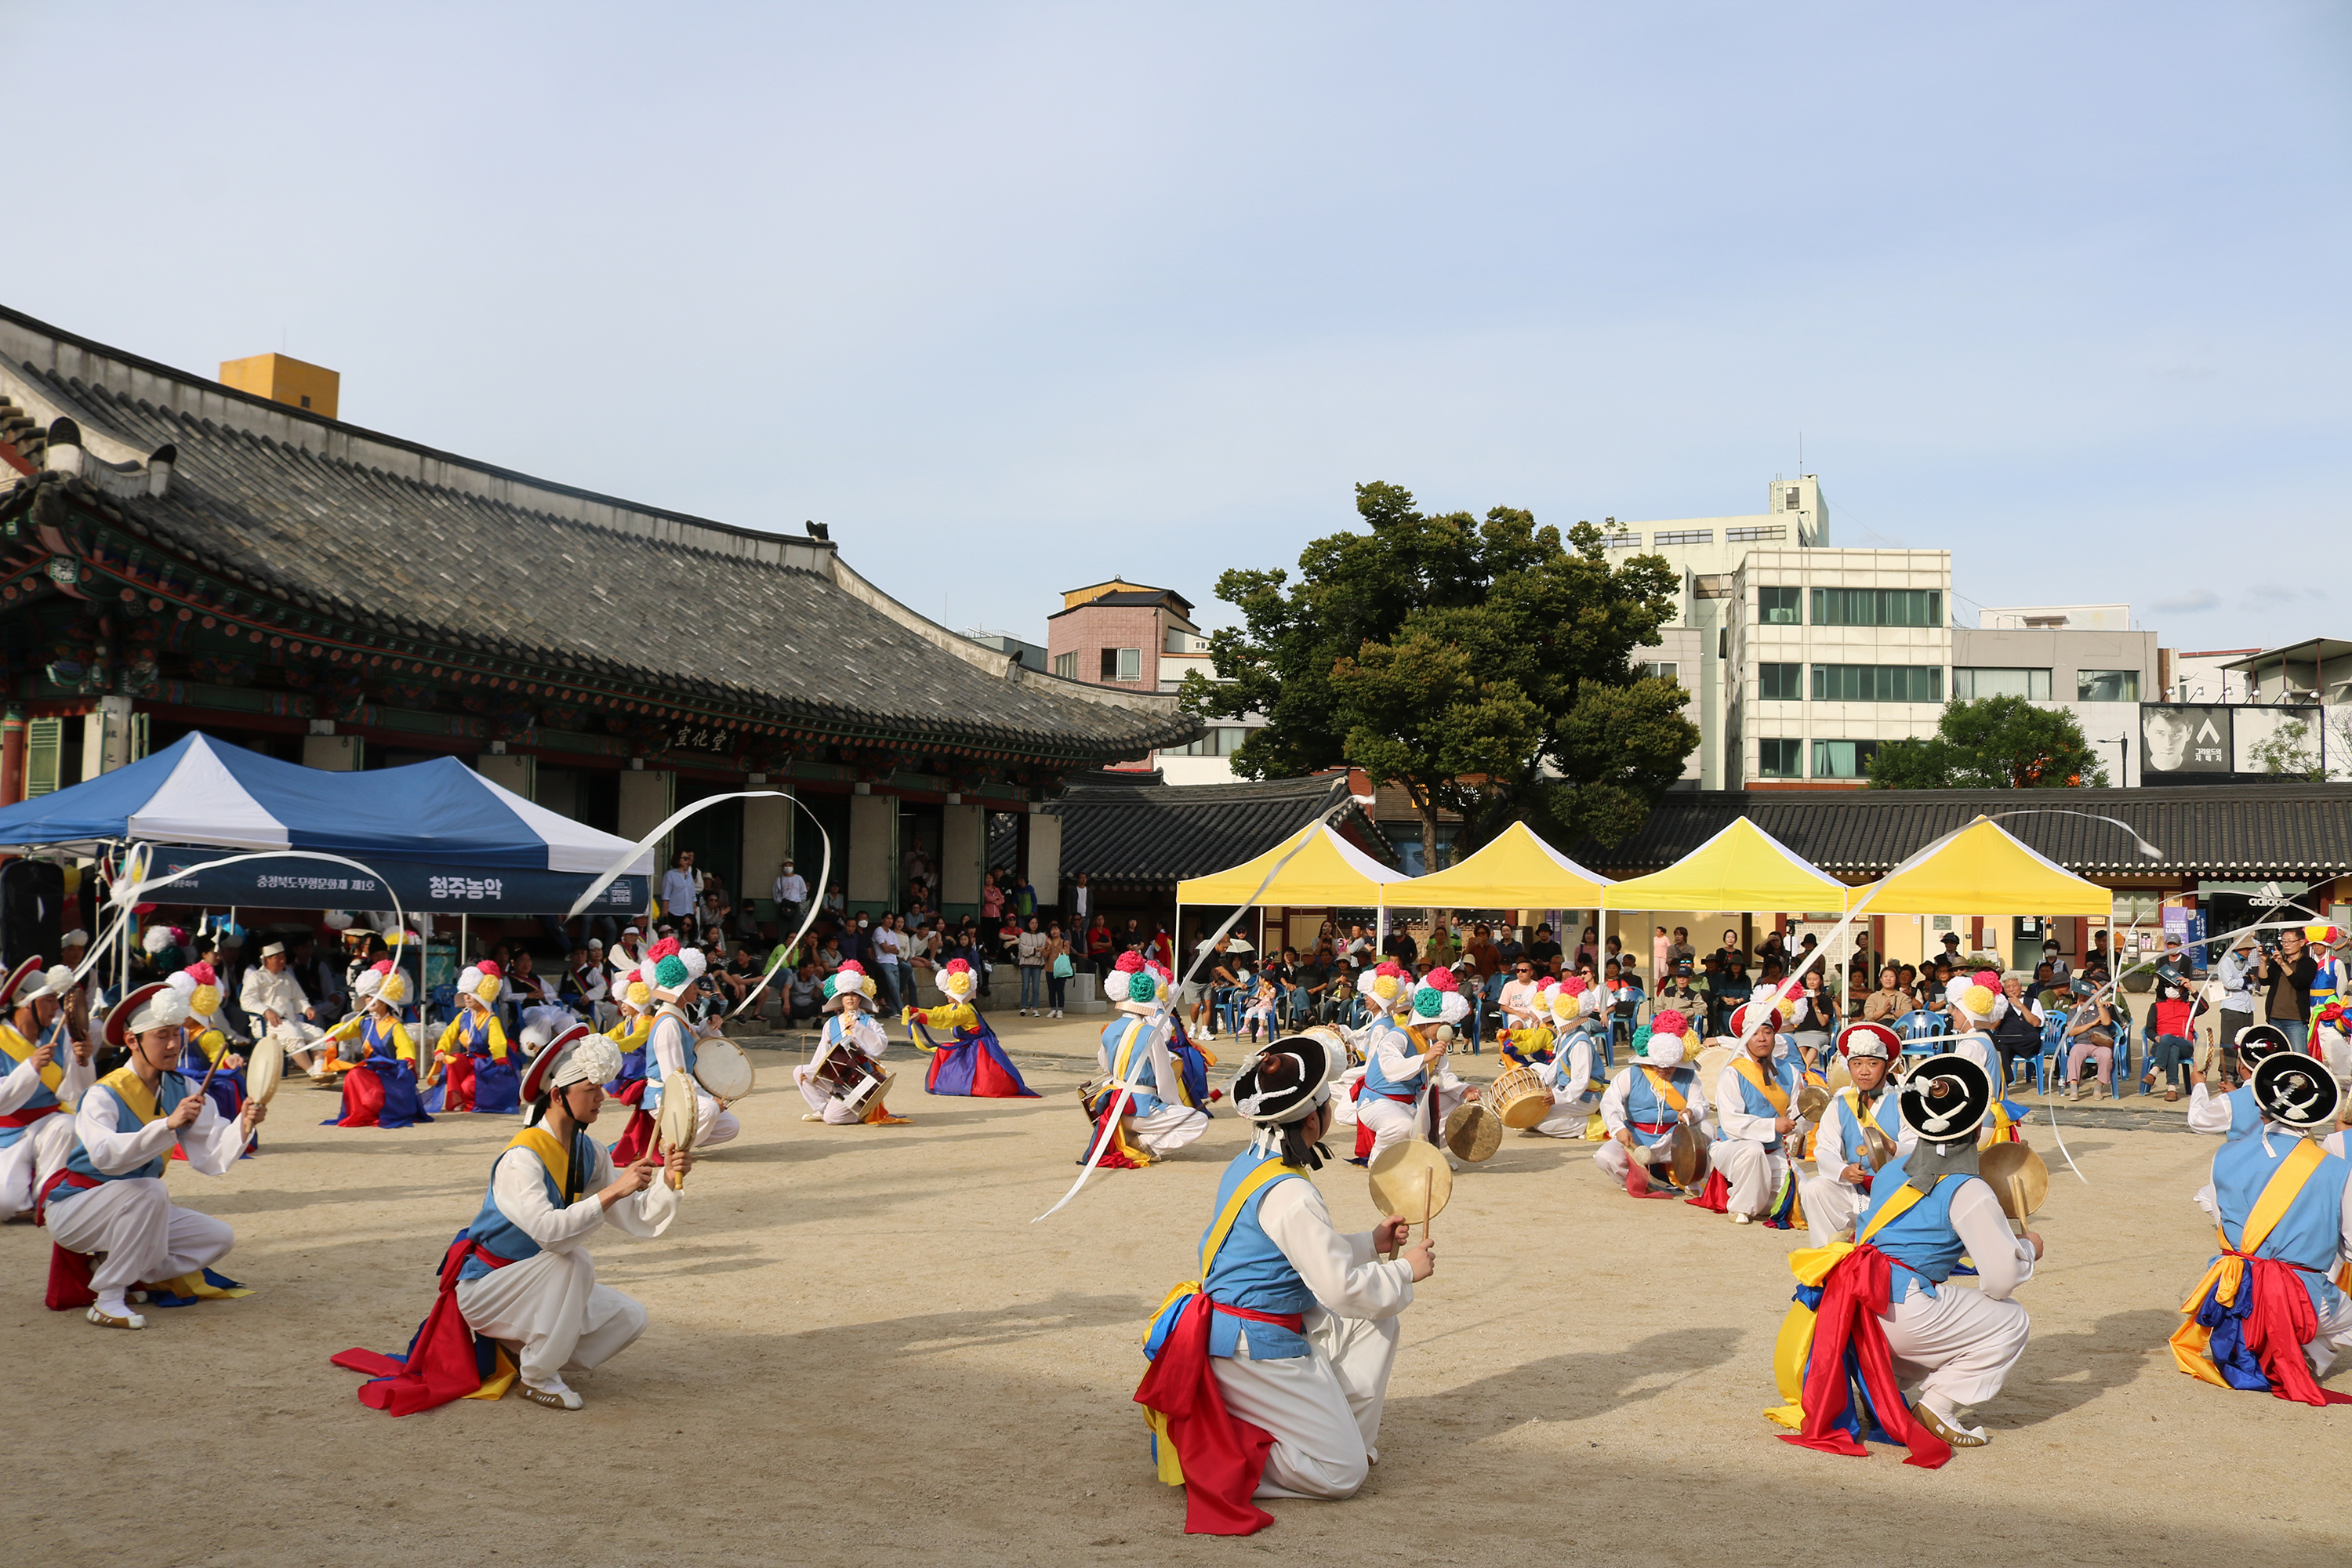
377,531
2231,832
1132,831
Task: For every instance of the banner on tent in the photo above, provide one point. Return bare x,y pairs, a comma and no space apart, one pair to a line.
422,889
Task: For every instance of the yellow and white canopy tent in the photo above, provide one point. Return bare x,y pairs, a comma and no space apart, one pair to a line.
1313,866
1742,869
1515,870
1983,867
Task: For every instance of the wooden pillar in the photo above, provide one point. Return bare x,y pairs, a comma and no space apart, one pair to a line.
12,757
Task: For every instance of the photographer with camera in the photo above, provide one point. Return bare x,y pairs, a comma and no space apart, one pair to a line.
2284,976
2236,975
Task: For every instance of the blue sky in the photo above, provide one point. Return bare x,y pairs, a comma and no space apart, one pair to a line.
1018,297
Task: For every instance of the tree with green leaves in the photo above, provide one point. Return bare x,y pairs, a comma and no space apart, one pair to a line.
1993,742
2286,752
1480,664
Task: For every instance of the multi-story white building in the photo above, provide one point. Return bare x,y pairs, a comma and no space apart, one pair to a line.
1803,658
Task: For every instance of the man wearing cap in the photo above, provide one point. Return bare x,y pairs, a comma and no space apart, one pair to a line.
43,1074
108,1196
1755,1107
1270,1374
274,1004
1888,1301
2270,1314
520,1276
1835,1195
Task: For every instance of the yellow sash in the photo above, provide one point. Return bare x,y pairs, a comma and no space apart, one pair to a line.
551,1154
1171,1470
1664,1090
51,1076
1812,1266
1774,1095
125,1085
2191,1342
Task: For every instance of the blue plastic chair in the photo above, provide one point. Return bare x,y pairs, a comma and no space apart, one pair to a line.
1917,1029
2052,1057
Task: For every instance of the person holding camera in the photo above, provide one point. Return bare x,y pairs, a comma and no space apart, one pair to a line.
2283,977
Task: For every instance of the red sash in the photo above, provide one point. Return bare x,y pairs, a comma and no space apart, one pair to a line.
441,1363
69,1271
1225,1456
1364,1134
1852,1295
27,1117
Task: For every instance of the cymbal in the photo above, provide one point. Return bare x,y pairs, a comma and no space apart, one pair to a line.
1877,1146
1411,1180
1812,1099
1474,1132
2017,1179
1687,1155
1839,1077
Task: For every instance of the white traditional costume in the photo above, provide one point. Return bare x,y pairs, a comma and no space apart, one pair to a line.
1153,1120
669,1048
107,1202
844,1083
263,994
1573,1074
1270,1372
1953,1347
1750,1151
1400,1075
1832,1203
2272,1314
36,1101
520,1276
1650,1096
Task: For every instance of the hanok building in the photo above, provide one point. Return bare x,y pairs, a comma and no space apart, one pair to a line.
177,553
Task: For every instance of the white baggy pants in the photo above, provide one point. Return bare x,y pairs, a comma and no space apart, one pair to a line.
33,1159
1323,1408
145,1235
1752,1171
552,1310
1831,1208
1955,1347
1168,1129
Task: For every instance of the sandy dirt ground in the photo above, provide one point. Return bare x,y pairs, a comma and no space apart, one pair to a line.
864,1352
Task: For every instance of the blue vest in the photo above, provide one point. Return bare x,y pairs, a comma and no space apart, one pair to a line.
685,1048
1779,1070
474,1033
1124,1048
382,1042
10,1062
170,1089
2307,1234
1376,1081
2245,1116
1888,1120
496,1233
1920,1241
1644,1106
1251,1271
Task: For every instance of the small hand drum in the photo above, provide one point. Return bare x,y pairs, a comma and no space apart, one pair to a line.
675,1128
1519,1097
1412,1181
1474,1132
723,1069
263,1069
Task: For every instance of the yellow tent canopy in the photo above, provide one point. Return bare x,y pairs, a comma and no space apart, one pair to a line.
1984,867
1742,868
1516,870
1327,870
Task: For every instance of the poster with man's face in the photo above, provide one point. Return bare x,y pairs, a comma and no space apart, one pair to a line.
2177,739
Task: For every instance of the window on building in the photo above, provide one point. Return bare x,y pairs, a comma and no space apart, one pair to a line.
1780,606
1843,759
1782,683
1122,664
1878,683
1663,669
1795,495
1780,759
1220,740
1066,665
2107,686
1754,532
1971,684
1622,541
1878,608
1685,536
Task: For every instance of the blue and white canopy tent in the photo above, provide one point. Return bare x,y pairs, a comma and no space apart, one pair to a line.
441,839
